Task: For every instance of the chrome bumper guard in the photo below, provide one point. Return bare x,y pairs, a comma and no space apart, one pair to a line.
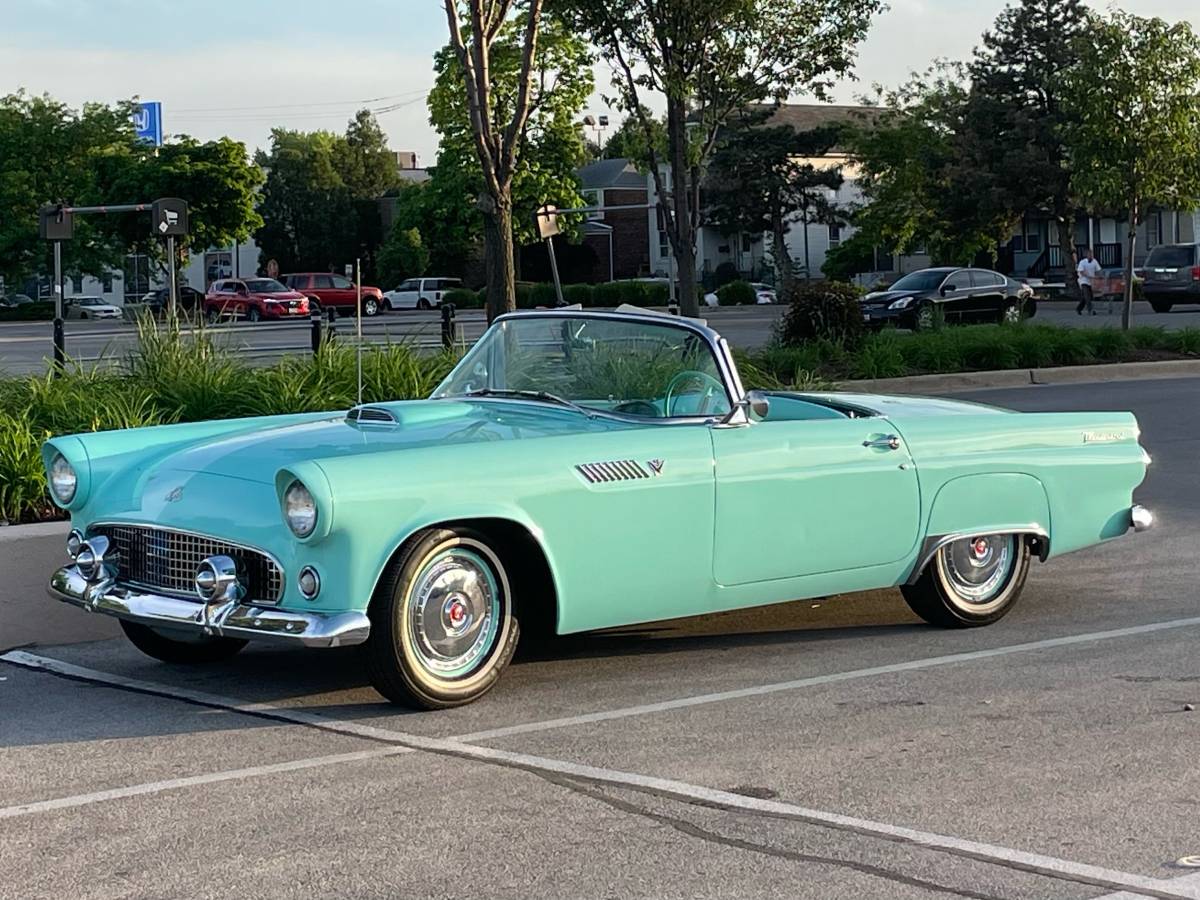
1140,518
219,619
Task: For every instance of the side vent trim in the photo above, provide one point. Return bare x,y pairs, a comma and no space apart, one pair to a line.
615,470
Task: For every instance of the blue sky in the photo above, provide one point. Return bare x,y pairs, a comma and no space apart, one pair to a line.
238,68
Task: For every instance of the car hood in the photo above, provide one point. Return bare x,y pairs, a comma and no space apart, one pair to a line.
280,295
887,296
895,407
257,454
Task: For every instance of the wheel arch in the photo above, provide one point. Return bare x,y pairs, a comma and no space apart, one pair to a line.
520,547
989,503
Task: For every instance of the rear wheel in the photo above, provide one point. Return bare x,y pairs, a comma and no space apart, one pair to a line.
970,582
442,624
1161,306
155,643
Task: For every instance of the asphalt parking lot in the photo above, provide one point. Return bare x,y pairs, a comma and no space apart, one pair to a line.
821,749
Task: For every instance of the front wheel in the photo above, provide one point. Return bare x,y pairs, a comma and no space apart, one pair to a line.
1011,313
187,652
924,318
370,306
442,624
254,315
970,582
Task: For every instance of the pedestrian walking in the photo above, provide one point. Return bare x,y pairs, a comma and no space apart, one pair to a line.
1087,272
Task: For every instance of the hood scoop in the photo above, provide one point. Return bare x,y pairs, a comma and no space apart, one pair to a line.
370,415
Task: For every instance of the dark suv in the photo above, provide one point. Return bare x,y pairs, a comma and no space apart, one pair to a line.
1171,275
324,289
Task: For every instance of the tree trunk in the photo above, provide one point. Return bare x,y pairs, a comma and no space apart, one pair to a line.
1066,246
783,260
681,231
498,255
1127,306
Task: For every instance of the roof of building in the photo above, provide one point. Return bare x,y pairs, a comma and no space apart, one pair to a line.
611,173
806,116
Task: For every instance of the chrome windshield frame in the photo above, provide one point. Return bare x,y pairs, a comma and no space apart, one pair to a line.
717,345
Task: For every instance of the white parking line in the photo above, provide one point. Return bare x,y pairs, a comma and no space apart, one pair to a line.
154,787
1184,882
677,790
834,678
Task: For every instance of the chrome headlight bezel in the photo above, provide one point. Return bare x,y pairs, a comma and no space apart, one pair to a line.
300,509
62,479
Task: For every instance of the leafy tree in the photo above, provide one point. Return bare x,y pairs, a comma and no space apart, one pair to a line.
307,210
50,152
402,256
628,141
708,59
761,179
320,204
1016,118
916,189
450,226
510,138
1136,141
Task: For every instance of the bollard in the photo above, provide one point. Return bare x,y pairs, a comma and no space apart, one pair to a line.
448,326
60,351
331,330
315,327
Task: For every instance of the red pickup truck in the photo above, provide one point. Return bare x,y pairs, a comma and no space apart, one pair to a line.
326,289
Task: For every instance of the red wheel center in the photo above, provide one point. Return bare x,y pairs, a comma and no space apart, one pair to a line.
458,612
980,546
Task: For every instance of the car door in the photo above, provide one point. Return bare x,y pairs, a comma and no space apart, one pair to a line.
953,297
405,296
987,295
811,496
343,291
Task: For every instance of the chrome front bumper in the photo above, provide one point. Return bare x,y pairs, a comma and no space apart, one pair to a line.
220,619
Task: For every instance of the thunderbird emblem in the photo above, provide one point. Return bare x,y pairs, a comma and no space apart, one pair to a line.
175,496
656,466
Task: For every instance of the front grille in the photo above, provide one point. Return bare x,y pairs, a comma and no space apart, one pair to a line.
165,560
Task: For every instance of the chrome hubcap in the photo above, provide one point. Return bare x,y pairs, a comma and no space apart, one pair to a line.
454,612
977,568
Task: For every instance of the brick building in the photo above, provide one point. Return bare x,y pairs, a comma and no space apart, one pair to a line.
620,238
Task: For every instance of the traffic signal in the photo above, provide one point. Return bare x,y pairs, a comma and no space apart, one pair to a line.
56,223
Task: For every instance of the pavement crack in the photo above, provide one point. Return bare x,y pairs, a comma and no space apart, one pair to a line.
683,826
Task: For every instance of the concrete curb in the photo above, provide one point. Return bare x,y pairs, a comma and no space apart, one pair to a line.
1009,378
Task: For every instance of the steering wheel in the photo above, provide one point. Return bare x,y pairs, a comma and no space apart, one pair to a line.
712,388
639,408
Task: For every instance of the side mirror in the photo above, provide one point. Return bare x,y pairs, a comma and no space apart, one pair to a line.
758,403
947,288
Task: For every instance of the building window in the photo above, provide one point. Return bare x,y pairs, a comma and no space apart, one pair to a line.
77,284
664,244
835,235
1153,230
1033,238
745,243
106,282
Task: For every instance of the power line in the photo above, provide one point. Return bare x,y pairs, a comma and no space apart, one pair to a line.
266,106
258,117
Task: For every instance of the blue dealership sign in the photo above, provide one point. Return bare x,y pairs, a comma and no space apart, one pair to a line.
147,122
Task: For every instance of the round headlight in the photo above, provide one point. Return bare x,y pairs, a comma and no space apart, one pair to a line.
299,509
63,479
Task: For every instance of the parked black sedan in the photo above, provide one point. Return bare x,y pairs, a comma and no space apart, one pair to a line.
959,295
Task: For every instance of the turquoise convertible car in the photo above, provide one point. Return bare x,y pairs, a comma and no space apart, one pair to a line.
577,470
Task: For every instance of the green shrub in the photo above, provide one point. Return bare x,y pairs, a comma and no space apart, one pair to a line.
737,293
463,298
1147,337
38,311
822,310
879,356
22,481
988,347
725,273
578,293
1111,344
1035,346
1186,340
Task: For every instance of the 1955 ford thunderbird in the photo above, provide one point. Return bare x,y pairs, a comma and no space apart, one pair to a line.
576,470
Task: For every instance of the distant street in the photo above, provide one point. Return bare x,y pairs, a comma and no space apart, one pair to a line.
24,346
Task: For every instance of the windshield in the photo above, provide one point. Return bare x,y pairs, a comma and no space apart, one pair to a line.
266,286
920,281
632,368
1171,257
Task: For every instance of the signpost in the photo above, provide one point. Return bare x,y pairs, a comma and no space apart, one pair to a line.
547,224
147,123
56,223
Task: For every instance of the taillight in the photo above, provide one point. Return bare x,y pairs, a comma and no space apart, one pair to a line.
1195,273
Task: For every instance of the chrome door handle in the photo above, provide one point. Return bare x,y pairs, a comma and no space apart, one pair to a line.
887,442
